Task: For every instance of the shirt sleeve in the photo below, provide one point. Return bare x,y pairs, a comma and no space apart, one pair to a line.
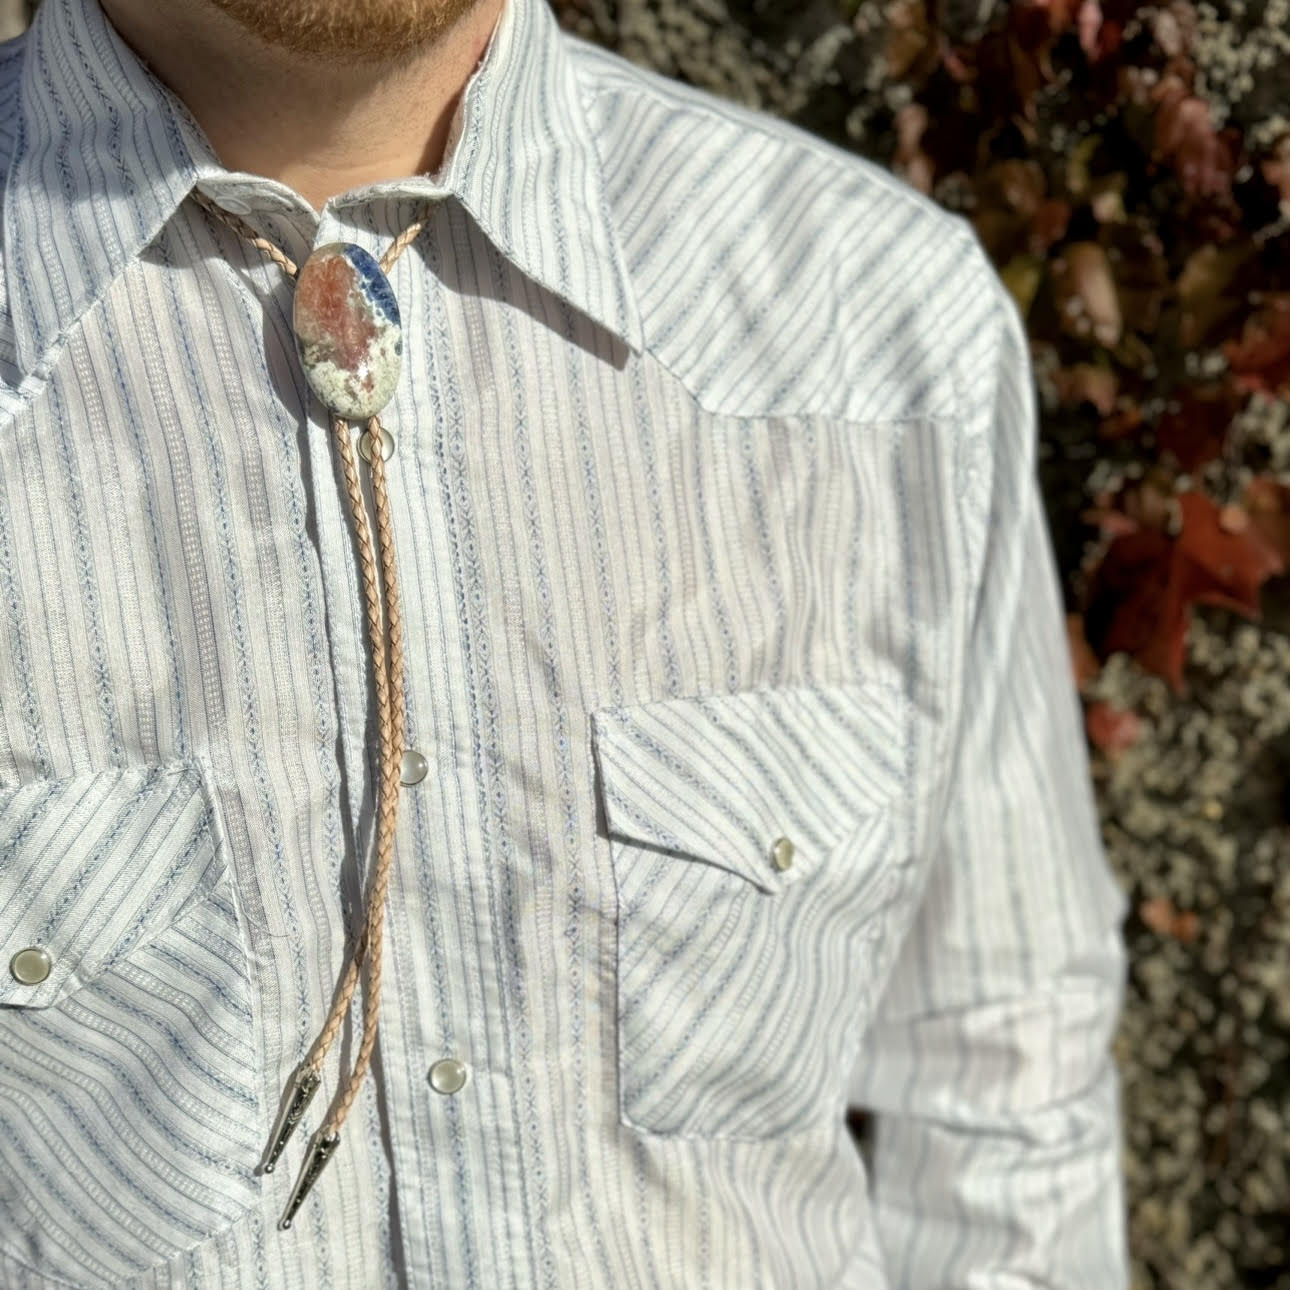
987,1072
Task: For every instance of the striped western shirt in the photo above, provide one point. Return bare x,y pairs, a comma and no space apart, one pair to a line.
754,780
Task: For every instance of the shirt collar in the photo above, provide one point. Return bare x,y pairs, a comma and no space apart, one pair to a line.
104,155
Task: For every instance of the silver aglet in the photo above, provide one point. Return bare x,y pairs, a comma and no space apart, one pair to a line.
306,1085
320,1151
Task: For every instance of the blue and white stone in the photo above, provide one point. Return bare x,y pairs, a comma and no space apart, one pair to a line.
348,330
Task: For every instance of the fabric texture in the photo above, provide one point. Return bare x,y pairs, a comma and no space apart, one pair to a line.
757,785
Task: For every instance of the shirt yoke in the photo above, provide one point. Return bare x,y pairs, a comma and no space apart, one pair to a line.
778,274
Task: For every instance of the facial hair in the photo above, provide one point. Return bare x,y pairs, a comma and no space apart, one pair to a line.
346,30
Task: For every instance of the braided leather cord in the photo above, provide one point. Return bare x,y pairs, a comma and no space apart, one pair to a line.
387,672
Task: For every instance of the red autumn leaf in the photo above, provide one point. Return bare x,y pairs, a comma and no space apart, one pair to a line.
1112,729
1203,158
1163,919
1260,360
1109,40
1099,36
1158,914
1089,22
1221,567
1132,606
1194,428
1011,67
1142,592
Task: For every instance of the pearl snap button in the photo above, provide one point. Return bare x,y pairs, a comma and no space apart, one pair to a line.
781,854
30,966
448,1075
365,445
415,767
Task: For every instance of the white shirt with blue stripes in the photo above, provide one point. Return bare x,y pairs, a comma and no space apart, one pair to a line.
756,778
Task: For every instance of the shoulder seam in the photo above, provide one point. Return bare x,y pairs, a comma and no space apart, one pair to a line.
663,89
985,271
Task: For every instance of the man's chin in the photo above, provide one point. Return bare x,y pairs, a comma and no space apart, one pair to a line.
350,30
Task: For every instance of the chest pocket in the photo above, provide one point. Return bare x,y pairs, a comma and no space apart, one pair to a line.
130,1117
756,843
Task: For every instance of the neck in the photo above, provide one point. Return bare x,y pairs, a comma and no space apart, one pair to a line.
316,125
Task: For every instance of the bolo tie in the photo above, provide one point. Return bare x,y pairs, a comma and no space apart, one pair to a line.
350,342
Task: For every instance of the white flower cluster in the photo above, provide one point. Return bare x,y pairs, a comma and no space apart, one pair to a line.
1233,52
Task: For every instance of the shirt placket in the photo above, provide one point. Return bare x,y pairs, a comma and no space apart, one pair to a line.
441,1081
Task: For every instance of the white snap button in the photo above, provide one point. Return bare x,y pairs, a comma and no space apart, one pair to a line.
448,1075
365,445
415,767
781,854
30,966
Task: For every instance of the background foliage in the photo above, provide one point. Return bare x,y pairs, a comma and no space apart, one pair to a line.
1128,168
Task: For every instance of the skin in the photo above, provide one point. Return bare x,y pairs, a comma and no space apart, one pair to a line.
322,95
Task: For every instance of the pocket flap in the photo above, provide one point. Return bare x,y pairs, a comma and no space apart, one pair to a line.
722,777
92,866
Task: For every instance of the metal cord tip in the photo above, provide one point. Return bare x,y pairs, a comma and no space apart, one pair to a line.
320,1152
303,1087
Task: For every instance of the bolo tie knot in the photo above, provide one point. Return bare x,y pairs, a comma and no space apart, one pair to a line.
349,336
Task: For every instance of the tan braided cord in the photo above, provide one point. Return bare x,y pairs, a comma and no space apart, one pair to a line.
244,230
392,736
385,642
